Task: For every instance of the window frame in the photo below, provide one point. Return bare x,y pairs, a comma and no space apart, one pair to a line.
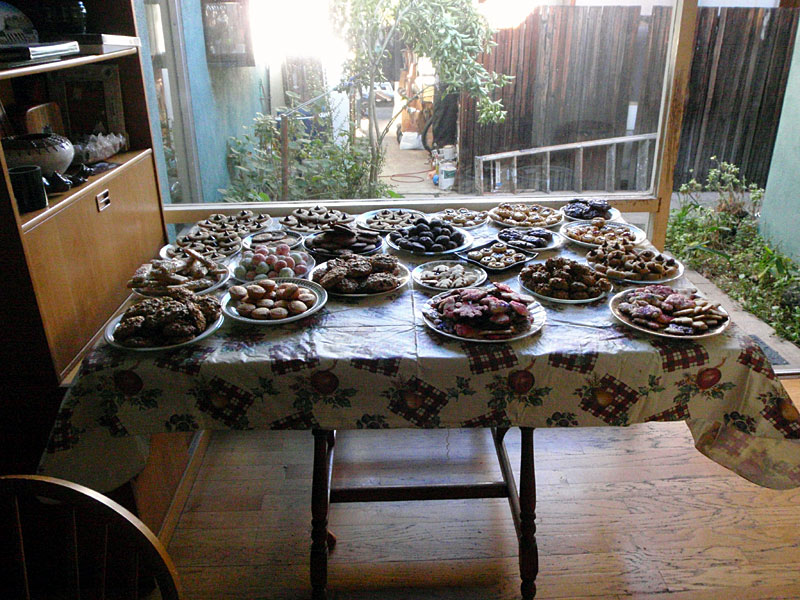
656,203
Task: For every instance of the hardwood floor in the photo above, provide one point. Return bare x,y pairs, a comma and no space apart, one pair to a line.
621,513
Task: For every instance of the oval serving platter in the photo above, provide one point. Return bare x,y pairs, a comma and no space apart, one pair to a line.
320,292
416,274
559,300
405,277
617,299
108,335
537,318
640,235
468,241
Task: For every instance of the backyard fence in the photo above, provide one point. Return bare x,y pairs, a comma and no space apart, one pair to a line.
579,70
736,89
576,71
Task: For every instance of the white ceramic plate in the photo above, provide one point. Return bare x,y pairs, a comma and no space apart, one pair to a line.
528,257
222,281
537,317
361,220
235,263
673,277
296,239
615,216
640,235
405,276
558,241
327,255
318,290
468,241
494,219
417,273
558,300
616,300
108,334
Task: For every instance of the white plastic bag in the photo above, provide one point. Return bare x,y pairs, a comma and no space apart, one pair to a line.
411,140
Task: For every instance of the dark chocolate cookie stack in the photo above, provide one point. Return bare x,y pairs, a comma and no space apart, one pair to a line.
428,237
586,209
340,240
527,239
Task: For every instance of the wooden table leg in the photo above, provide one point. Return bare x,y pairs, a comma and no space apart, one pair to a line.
320,495
528,551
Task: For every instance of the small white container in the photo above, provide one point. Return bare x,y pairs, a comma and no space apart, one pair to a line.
447,175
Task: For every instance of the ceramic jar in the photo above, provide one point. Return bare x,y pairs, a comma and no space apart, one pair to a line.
51,152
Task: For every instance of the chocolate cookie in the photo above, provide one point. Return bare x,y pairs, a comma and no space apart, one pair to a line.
340,240
380,282
359,268
384,263
347,286
332,277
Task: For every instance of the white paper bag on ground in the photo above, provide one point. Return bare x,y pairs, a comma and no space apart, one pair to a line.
411,140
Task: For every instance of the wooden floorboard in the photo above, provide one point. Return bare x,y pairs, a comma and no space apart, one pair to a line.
623,513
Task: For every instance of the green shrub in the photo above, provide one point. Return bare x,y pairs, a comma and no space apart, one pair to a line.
319,166
723,243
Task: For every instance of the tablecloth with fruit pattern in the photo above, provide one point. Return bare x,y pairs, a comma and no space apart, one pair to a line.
364,363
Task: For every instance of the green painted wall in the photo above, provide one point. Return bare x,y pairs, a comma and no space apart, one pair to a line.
780,214
152,100
223,100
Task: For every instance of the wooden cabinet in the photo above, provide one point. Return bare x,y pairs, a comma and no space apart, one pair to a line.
64,268
100,238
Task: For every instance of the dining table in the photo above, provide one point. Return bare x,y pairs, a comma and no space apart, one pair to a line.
374,362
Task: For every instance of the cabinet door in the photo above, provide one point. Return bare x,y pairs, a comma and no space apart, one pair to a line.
81,258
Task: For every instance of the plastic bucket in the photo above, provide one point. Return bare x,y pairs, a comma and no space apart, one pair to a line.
448,152
447,175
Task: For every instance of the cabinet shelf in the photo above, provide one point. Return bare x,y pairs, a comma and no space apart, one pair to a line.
73,60
58,202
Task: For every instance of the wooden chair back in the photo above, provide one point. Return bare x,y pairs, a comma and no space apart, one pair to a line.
63,540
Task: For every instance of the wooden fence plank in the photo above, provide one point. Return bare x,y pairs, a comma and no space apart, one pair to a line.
736,92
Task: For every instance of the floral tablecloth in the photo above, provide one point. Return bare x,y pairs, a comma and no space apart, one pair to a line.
373,363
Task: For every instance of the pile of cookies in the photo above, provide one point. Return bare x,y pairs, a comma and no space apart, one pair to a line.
162,277
527,239
340,239
167,320
242,223
268,300
526,215
219,236
564,279
495,312
585,209
265,262
449,276
389,219
674,312
497,255
621,260
428,236
273,237
598,230
318,218
463,217
354,274
214,245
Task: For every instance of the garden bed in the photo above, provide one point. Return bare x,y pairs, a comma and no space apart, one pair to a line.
723,243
